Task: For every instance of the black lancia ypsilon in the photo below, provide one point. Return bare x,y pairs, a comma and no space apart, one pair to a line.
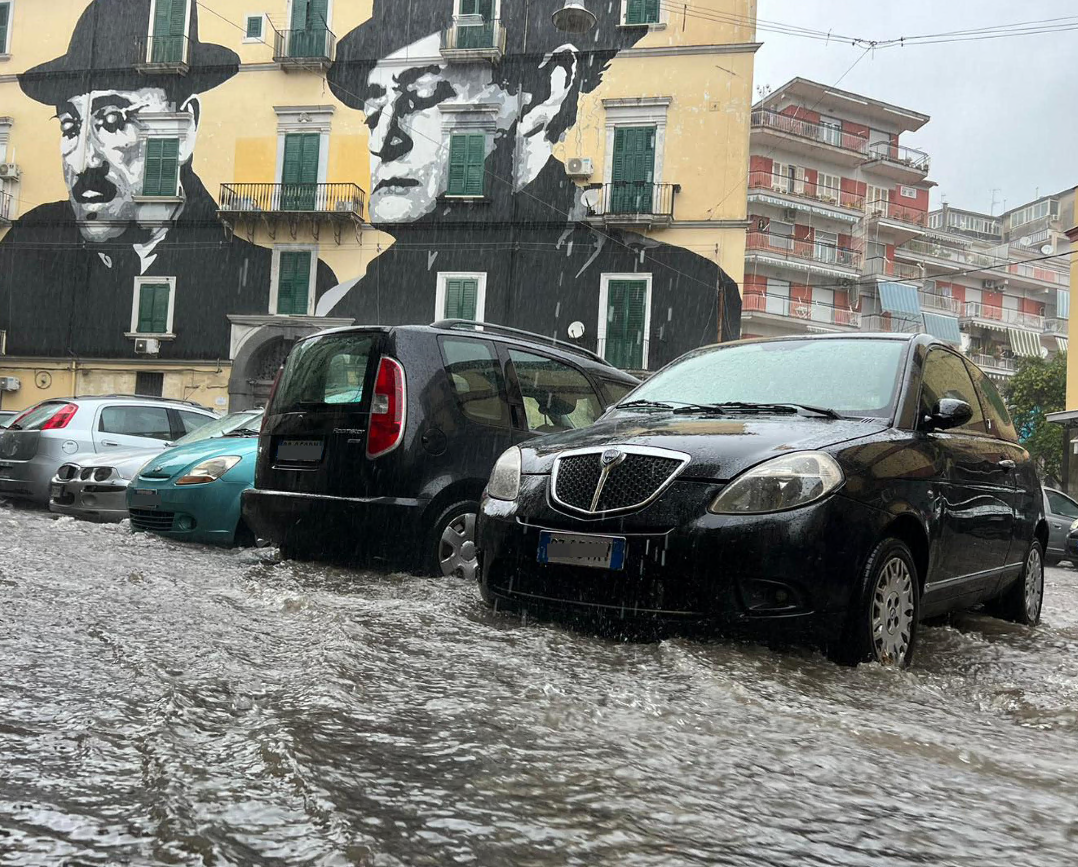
852,485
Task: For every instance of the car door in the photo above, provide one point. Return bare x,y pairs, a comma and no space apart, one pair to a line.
975,496
131,426
1061,512
554,395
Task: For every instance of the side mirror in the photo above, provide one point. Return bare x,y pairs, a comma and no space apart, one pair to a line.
949,412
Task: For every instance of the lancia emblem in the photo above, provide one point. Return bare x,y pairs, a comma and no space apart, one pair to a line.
611,457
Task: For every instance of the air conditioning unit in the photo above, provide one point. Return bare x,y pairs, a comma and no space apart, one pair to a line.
578,167
147,346
789,214
993,285
9,171
9,383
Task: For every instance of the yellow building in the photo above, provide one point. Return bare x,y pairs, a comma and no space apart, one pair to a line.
185,190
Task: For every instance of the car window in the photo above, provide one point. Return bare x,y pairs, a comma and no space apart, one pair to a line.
136,421
1062,505
615,391
556,396
946,376
476,377
192,421
998,419
325,370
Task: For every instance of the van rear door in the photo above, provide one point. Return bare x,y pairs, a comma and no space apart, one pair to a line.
315,431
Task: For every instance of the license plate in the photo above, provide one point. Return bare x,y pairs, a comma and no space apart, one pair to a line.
572,549
145,499
57,492
303,451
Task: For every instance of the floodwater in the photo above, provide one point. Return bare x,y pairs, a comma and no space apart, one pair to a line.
168,704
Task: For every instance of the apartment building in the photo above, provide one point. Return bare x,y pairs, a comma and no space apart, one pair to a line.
833,191
188,188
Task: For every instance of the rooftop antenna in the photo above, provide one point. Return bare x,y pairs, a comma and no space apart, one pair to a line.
992,207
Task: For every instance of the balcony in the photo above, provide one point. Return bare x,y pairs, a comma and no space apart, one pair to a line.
7,208
993,365
801,311
1038,273
888,324
941,304
807,137
633,204
878,266
162,55
1001,317
472,38
310,49
1056,326
802,255
273,204
944,256
901,222
897,162
802,191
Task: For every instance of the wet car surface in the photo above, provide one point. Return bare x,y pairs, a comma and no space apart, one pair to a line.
169,703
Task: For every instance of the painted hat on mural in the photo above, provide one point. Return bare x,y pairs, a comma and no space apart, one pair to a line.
108,41
395,24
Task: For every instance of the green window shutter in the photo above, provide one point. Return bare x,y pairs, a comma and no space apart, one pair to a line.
299,173
5,19
299,14
633,170
254,27
169,23
153,308
458,164
293,283
461,298
634,12
626,301
474,183
317,15
161,174
178,19
651,11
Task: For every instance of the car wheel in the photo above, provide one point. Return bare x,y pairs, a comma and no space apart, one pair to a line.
883,621
1023,599
453,542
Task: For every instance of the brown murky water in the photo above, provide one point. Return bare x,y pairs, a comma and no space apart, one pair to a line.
165,704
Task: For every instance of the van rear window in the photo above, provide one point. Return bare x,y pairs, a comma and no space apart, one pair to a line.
325,371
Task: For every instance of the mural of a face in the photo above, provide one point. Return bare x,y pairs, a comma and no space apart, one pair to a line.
103,155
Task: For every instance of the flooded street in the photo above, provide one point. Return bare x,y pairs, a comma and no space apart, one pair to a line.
169,704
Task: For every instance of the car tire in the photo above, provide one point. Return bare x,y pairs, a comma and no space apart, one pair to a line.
451,542
883,621
1022,601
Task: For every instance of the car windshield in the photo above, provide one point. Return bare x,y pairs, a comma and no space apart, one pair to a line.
853,377
231,423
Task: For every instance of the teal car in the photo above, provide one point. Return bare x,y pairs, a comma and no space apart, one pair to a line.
192,492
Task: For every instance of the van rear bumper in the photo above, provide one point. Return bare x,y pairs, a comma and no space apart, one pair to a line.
316,526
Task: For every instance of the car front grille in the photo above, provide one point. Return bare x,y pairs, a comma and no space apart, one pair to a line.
147,519
628,485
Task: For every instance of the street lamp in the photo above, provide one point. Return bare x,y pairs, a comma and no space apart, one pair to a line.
573,18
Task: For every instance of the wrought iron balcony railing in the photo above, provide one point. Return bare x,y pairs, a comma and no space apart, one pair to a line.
991,362
896,211
7,202
990,313
802,189
793,308
160,52
941,304
763,118
340,198
472,35
634,200
878,266
785,247
899,155
889,324
315,43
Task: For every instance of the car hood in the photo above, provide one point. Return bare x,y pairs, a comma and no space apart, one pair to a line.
719,447
127,462
173,461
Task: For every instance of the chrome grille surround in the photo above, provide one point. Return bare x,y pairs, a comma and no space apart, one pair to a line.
592,482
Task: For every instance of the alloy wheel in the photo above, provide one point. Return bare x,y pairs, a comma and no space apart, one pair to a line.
456,548
1034,584
892,612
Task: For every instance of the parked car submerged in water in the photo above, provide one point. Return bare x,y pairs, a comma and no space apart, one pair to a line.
847,486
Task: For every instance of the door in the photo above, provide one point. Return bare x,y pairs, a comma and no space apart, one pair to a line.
626,317
309,26
132,426
1061,512
476,33
975,495
169,24
299,172
778,297
633,171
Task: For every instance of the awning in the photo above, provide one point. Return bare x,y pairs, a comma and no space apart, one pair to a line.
900,299
943,327
1024,343
1061,343
1063,303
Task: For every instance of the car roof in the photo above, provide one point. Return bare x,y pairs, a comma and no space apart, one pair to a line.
129,398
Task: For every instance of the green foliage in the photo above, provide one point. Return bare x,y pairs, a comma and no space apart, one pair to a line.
1037,388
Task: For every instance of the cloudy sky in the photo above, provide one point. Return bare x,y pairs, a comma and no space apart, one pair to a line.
1004,111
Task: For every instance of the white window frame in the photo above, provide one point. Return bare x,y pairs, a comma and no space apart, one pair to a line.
275,276
253,40
459,16
480,292
169,333
835,188
664,16
636,111
186,35
604,297
5,50
907,192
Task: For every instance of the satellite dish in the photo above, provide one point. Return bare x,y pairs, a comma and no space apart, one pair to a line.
1026,241
576,330
573,18
1047,249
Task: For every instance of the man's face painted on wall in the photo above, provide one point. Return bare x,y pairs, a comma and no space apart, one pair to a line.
103,158
409,139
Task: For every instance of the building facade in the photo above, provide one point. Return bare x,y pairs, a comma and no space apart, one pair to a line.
184,192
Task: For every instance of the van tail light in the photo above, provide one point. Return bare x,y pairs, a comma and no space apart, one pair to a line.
61,417
269,400
387,409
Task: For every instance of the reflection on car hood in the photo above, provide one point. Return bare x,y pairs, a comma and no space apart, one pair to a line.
175,460
126,462
720,447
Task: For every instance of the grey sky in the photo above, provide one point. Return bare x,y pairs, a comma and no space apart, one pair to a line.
1004,113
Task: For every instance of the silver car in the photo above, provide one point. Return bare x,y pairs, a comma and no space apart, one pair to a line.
56,432
1061,512
95,489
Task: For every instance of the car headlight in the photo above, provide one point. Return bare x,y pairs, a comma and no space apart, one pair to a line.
1074,526
782,483
209,471
504,481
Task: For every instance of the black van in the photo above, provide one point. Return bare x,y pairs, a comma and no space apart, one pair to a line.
378,440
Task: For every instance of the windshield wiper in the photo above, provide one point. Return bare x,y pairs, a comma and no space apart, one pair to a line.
653,404
242,432
743,406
